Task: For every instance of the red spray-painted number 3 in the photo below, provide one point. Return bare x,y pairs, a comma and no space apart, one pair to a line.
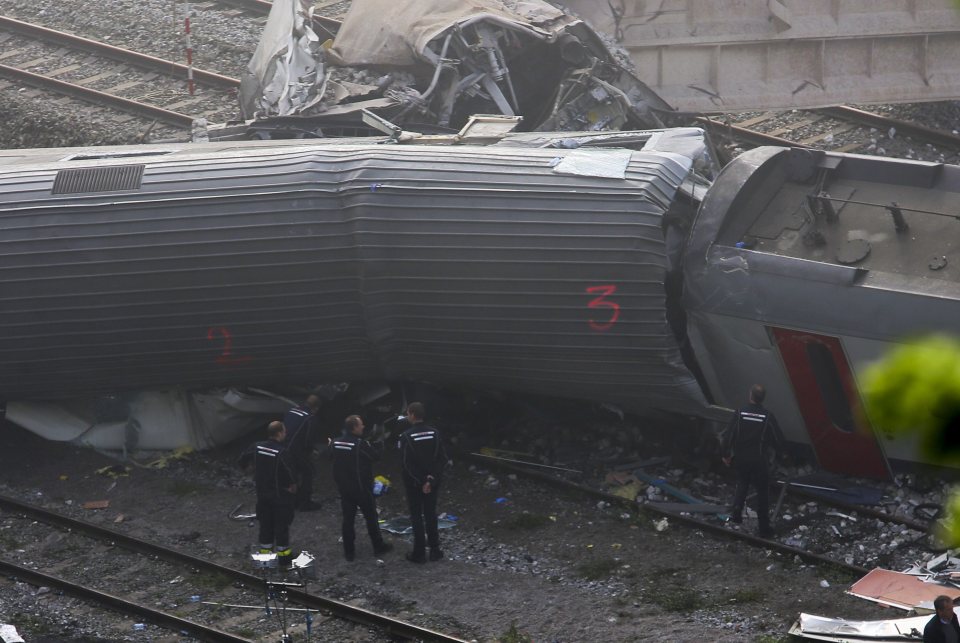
226,356
612,307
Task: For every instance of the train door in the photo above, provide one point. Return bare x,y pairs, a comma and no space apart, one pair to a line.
830,404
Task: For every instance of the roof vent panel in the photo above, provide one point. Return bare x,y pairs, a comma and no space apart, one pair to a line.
113,178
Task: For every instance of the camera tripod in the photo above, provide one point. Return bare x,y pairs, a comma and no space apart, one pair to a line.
276,591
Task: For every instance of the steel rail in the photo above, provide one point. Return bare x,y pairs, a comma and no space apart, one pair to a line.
203,632
866,511
342,610
742,133
117,53
84,93
841,112
929,134
687,520
262,7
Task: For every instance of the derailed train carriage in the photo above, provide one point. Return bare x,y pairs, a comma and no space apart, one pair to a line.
802,268
582,266
266,264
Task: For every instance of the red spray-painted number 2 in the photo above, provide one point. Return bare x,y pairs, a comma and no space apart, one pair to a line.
226,356
600,303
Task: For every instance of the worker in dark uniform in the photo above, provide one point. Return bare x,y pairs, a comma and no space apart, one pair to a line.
301,423
353,457
746,444
943,627
276,491
424,460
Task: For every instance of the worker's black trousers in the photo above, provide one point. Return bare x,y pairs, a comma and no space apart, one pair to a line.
423,515
349,503
754,475
304,482
274,518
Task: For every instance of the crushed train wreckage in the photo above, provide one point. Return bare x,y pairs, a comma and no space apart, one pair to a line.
430,66
818,628
913,589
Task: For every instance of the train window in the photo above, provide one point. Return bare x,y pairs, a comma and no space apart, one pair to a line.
831,386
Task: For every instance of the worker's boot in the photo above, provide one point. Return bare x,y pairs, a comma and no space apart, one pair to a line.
285,558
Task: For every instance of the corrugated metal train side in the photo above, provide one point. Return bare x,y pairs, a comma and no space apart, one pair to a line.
262,266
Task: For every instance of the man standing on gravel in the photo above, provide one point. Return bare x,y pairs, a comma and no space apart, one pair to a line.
276,492
353,457
424,460
300,422
752,432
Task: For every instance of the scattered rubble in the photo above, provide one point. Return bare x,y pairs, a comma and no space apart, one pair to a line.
538,557
913,589
610,452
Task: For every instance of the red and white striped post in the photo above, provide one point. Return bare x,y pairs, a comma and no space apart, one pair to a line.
186,27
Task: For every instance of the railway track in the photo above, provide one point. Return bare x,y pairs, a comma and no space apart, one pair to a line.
837,129
325,27
209,601
154,90
135,83
807,526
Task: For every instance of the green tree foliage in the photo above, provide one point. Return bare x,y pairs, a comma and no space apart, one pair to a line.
915,389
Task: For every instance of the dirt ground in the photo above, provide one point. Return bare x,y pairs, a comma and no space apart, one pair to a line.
524,562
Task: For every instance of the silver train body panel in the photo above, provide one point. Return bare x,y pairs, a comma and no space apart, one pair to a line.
268,263
785,289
